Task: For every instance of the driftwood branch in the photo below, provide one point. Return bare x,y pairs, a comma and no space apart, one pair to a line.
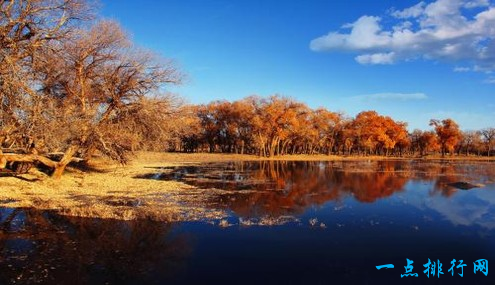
10,157
30,158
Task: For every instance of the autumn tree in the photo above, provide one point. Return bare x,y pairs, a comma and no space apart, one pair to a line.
428,142
364,128
209,127
227,126
401,137
183,130
470,142
345,139
375,133
325,125
415,138
26,27
268,126
156,122
303,136
243,113
90,90
94,88
278,125
489,139
275,119
448,134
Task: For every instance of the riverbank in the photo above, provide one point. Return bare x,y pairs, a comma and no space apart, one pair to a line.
110,190
152,157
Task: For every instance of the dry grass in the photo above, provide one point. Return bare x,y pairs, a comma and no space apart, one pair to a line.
113,192
110,192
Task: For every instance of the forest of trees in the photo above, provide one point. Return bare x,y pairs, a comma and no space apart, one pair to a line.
279,126
72,86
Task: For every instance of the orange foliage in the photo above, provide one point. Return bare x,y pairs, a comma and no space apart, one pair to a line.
448,134
279,125
374,133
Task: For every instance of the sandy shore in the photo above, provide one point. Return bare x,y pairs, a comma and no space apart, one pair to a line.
113,191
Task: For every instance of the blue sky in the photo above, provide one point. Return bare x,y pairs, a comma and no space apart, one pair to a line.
410,60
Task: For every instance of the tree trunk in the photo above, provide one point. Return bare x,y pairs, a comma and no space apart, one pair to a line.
60,166
3,160
88,155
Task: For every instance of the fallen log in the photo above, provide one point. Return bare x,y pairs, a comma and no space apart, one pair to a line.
21,163
14,157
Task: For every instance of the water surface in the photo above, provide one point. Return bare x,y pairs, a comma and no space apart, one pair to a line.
289,223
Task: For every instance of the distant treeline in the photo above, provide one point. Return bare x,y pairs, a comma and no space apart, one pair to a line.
278,126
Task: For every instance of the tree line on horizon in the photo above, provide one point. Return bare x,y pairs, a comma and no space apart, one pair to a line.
277,125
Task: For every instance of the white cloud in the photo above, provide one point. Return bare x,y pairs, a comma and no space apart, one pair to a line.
440,30
477,3
376,58
391,96
365,33
411,12
462,69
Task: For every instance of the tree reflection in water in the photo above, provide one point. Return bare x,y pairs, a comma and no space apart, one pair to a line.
294,186
276,188
42,247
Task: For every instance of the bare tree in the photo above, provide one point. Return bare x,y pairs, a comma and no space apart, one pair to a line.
25,27
90,92
489,138
94,88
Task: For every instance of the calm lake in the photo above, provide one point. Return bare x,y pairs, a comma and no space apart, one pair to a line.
289,223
